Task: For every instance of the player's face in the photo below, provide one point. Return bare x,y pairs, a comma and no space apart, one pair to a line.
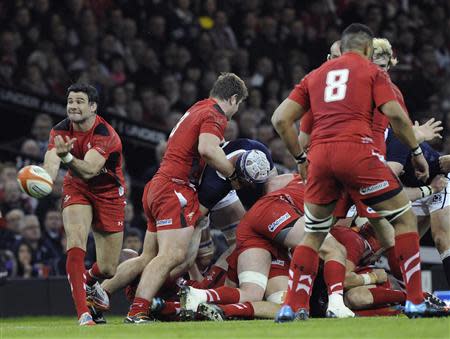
381,60
79,109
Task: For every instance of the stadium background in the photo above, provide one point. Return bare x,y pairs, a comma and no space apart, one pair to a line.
151,60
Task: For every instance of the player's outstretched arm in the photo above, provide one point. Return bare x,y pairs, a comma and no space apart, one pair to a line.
403,130
87,168
283,120
52,163
210,150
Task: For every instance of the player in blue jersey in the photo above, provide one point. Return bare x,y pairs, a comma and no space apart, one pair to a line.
431,202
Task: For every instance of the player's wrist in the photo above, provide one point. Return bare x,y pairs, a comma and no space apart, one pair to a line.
301,158
66,158
369,278
426,191
416,151
233,176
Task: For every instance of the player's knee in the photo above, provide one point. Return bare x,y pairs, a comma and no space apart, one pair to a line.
176,256
108,270
357,298
441,240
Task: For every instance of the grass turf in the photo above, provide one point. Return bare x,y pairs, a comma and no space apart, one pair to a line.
66,328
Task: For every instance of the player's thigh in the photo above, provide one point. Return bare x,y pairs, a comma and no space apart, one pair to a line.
77,221
108,246
175,243
253,268
396,208
440,228
332,249
296,234
150,246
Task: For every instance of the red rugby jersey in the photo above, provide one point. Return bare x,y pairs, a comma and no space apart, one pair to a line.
342,94
182,160
104,139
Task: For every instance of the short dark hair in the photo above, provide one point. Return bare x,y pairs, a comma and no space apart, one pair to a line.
89,90
227,85
356,36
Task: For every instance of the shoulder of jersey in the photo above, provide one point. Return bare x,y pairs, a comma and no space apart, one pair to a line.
63,125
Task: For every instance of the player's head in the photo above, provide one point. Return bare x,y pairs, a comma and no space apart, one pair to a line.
383,55
230,91
82,102
253,166
335,50
357,37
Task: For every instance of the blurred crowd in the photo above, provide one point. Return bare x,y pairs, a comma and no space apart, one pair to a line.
152,59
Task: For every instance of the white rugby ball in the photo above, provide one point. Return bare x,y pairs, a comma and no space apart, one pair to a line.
35,181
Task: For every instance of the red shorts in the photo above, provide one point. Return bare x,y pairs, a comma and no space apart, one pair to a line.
169,205
356,168
353,242
263,222
108,212
278,267
344,204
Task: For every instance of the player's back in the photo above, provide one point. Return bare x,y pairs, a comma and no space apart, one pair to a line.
293,193
181,159
341,97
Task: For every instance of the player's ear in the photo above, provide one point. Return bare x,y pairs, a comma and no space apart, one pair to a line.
93,107
233,99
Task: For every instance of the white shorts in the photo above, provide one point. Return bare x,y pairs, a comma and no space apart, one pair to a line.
435,202
229,199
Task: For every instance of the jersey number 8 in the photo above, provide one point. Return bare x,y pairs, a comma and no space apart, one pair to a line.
336,85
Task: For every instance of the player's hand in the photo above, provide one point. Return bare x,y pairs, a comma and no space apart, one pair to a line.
428,131
236,184
63,147
444,163
438,183
381,275
421,167
303,170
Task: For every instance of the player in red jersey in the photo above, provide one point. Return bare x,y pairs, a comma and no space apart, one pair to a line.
170,199
341,94
93,191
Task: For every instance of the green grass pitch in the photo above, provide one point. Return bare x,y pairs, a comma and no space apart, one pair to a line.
66,328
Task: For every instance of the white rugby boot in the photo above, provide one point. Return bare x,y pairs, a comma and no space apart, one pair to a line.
336,307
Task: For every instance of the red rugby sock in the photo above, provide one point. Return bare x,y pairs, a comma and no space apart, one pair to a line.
407,253
223,295
383,296
139,305
302,272
241,310
171,308
334,275
93,275
75,274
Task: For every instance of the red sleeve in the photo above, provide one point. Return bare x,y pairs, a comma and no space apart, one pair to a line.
214,124
104,144
300,94
306,123
51,140
383,91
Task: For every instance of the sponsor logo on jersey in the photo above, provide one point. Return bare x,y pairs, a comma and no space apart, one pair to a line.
273,226
164,222
374,188
66,198
370,210
89,145
121,191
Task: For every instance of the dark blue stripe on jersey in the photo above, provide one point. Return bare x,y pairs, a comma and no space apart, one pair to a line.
213,188
399,152
63,125
101,129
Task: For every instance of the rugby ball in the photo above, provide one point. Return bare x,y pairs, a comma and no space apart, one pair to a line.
35,181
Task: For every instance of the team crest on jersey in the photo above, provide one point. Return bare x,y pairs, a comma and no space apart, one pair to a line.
164,222
89,145
273,226
374,188
66,198
121,191
370,210
437,199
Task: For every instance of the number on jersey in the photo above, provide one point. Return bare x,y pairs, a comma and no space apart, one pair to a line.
178,123
336,85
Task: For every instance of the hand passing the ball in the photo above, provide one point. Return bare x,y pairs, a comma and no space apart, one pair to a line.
63,147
